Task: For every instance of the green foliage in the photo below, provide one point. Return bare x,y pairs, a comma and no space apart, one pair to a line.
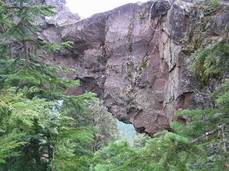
94,114
105,123
201,144
55,47
215,3
211,61
20,51
140,140
113,157
25,27
203,125
40,132
8,143
37,132
38,74
74,153
41,128
168,152
221,94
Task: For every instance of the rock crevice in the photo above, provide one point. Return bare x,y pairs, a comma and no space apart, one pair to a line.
135,62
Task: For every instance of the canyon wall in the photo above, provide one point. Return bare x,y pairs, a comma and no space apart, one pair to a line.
136,57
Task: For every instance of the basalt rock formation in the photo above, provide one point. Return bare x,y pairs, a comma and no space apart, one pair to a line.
135,57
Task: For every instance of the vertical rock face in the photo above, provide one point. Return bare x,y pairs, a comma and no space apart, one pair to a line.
135,58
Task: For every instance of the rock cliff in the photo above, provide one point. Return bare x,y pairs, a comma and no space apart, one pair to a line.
135,57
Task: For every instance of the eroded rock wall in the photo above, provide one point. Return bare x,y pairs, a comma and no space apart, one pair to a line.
135,58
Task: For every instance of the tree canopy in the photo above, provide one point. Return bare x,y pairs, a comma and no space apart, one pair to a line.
41,128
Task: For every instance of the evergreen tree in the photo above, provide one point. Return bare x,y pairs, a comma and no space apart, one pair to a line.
209,127
20,51
201,144
96,115
35,132
106,125
168,152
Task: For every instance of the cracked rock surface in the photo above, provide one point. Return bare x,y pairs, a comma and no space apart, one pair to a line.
135,58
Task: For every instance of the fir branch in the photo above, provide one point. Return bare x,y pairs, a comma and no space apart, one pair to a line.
209,133
201,93
224,138
1,101
26,53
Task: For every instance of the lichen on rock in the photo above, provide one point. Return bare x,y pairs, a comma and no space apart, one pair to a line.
138,64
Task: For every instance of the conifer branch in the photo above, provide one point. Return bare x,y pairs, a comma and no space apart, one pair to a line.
224,139
26,53
209,133
7,104
201,93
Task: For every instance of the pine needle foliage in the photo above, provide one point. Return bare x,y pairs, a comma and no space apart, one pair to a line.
221,94
96,115
168,152
36,132
208,128
43,135
20,50
9,142
201,144
105,123
211,61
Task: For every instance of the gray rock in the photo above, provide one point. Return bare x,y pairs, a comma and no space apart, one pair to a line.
64,16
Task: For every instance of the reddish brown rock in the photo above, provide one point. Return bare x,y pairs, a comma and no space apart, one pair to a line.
135,62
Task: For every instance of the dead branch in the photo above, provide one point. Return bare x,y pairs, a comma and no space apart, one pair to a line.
209,133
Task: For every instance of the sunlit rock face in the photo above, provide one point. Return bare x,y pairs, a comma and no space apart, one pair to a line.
135,58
